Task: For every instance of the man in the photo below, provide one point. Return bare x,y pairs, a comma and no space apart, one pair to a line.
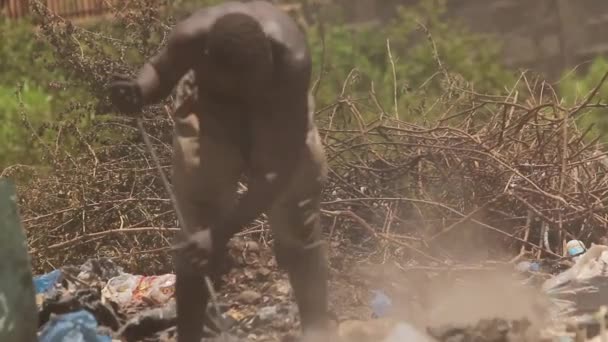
251,113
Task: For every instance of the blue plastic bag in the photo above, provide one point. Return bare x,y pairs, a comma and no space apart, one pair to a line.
77,326
527,266
380,304
44,283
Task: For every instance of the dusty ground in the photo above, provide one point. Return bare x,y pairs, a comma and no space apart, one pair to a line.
481,302
421,295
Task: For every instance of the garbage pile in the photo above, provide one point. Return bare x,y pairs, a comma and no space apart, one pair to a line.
579,293
100,302
576,287
94,301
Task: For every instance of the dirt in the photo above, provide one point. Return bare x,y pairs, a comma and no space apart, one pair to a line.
485,302
480,299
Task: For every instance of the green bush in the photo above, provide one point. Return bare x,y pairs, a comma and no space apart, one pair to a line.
575,87
15,132
34,93
22,56
87,57
25,58
430,54
24,84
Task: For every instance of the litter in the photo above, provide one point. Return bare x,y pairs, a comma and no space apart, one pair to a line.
46,282
78,326
101,269
267,313
380,303
575,248
593,263
131,290
528,266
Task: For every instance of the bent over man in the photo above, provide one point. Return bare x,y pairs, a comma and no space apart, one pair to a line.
251,113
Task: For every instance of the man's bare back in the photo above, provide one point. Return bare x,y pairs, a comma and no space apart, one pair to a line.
187,46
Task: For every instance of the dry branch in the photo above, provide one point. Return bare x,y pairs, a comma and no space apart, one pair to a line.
490,171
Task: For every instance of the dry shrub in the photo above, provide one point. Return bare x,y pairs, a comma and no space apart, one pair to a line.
492,174
511,172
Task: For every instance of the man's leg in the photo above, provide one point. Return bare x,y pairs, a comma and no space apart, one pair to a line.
299,248
205,176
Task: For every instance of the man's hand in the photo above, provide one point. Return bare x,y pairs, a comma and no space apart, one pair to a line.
126,95
207,252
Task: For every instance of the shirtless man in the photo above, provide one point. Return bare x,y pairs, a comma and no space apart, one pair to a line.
252,114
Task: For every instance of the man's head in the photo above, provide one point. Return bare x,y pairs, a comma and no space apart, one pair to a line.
238,43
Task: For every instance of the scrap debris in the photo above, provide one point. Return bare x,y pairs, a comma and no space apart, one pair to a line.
100,297
104,303
526,178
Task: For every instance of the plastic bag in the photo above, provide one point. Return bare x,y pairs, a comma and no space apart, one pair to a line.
159,289
78,326
381,304
103,269
128,289
593,263
528,266
44,283
120,289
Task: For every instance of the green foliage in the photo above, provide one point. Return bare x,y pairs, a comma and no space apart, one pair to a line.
15,132
74,64
68,69
22,55
430,54
34,93
575,88
24,83
25,58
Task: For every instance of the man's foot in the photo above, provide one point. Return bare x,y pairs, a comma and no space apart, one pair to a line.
326,330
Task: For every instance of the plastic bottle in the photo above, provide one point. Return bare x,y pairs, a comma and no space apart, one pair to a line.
528,266
380,304
575,248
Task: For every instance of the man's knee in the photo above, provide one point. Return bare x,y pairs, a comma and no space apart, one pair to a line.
297,231
316,163
290,257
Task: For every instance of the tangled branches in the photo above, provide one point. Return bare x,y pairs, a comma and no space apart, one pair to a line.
511,172
524,174
520,171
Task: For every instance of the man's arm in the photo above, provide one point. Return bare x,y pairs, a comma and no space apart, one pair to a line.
159,75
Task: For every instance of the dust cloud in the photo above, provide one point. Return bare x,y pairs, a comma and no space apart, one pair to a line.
436,298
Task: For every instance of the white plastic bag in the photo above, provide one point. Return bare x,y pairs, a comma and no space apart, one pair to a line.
593,263
158,289
128,289
120,289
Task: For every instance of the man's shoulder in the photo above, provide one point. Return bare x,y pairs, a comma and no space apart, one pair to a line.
282,29
288,39
203,18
